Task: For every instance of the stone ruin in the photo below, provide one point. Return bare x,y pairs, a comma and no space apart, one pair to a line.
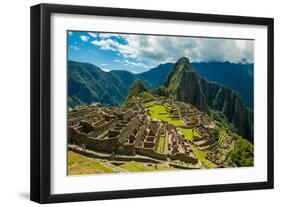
129,132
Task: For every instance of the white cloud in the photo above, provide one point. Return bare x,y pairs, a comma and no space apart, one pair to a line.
137,64
105,69
70,33
169,48
110,35
74,47
107,44
117,61
113,45
133,64
93,34
104,64
84,38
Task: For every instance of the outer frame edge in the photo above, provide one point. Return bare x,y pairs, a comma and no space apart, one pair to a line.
35,139
40,64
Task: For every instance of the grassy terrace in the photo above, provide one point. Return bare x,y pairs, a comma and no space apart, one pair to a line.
79,164
161,144
160,112
143,167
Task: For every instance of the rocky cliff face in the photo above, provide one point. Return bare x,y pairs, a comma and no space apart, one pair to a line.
184,84
227,101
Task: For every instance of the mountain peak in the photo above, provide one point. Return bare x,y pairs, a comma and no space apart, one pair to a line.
184,62
136,88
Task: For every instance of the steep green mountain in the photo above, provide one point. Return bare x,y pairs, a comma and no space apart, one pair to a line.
184,84
125,78
237,76
138,90
86,84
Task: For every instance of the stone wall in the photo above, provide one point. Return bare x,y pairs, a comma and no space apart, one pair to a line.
139,136
130,127
126,149
151,153
98,130
108,145
183,157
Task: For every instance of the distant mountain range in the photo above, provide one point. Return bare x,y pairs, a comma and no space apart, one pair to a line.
239,77
87,83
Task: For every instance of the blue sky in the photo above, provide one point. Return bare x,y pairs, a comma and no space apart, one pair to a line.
139,53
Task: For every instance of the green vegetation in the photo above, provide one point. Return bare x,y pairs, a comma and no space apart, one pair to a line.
161,144
146,96
220,117
149,104
189,133
88,84
79,164
138,91
160,112
243,153
143,167
201,156
137,88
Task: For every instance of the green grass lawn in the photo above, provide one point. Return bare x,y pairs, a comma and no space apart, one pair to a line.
79,165
201,156
188,133
146,97
149,104
143,167
161,144
160,112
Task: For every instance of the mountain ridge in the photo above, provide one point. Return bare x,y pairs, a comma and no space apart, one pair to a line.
225,73
184,84
82,90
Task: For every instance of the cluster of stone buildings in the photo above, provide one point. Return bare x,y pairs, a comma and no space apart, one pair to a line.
198,121
216,148
179,147
130,132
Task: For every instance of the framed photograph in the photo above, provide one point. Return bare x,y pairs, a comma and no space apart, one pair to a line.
133,103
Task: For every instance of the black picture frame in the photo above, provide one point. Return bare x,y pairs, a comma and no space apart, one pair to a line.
41,95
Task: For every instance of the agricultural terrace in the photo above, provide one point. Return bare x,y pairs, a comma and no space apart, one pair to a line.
79,164
161,112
